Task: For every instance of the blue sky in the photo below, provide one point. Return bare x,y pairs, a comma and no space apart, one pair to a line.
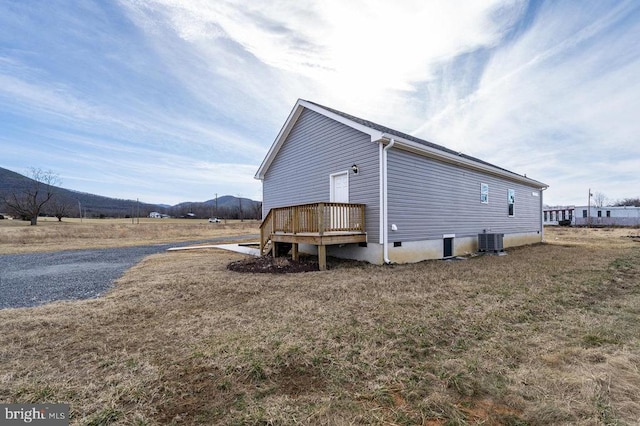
171,101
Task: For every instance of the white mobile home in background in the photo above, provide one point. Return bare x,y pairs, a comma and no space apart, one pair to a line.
606,216
554,215
591,215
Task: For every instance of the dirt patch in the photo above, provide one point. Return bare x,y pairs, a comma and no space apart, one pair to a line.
271,265
189,384
488,412
298,380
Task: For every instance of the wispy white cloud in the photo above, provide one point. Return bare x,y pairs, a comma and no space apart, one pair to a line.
556,100
122,169
51,98
177,97
360,56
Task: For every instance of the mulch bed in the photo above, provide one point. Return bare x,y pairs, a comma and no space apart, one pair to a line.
271,265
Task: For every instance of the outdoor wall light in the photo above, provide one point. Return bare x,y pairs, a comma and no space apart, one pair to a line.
355,169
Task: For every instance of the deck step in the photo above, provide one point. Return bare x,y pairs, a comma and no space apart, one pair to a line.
268,247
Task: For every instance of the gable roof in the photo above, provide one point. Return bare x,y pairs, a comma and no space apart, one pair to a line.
377,133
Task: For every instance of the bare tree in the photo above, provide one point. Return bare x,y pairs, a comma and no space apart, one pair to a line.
599,199
256,209
628,202
27,202
61,207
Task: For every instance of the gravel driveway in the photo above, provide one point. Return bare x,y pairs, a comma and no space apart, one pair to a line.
37,278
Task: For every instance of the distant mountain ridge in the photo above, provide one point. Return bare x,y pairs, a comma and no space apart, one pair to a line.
97,205
224,201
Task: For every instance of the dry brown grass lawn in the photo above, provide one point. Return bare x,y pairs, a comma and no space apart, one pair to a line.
49,235
546,335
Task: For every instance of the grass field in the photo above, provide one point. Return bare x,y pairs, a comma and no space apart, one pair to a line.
17,236
548,334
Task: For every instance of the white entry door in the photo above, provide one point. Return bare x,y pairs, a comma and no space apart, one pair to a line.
339,194
340,187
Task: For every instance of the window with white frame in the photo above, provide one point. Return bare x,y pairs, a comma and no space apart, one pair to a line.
511,200
484,193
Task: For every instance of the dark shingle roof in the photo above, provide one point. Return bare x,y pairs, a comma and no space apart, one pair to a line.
406,136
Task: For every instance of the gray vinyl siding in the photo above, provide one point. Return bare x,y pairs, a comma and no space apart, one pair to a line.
315,148
428,198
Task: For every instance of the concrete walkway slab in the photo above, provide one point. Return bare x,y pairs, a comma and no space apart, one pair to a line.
238,248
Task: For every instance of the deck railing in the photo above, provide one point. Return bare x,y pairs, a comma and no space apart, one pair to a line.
316,218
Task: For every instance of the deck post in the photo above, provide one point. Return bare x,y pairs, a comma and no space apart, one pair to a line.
294,252
320,218
274,248
261,241
322,257
295,221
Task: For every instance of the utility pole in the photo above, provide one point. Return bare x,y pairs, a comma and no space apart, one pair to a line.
589,209
80,210
216,205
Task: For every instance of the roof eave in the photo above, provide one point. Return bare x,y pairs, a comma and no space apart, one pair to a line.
277,143
427,151
291,120
377,136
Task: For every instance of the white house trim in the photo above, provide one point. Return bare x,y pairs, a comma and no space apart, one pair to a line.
437,154
378,136
277,144
291,120
384,216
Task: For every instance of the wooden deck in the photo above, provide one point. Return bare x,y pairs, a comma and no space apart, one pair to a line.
320,224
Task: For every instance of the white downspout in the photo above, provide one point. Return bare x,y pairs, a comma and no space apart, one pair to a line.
381,195
385,212
541,213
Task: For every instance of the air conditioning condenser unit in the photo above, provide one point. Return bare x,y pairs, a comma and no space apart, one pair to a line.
491,243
